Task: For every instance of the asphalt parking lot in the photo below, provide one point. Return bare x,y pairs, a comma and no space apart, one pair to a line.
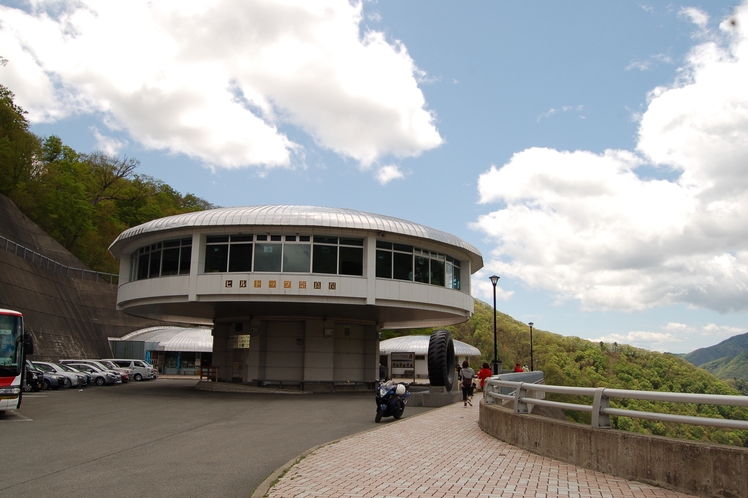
164,438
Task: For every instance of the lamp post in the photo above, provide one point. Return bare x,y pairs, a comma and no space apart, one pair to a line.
532,365
494,281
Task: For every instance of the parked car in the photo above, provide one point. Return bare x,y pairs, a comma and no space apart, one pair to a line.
124,373
34,378
100,377
88,376
141,369
72,379
52,381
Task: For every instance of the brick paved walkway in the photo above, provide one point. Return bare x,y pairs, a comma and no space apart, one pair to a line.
443,453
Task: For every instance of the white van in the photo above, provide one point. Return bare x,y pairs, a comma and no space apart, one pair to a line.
141,369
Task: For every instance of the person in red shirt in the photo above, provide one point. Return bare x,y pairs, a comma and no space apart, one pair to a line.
518,368
484,373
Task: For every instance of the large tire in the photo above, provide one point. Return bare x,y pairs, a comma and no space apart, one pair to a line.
138,377
46,384
67,383
441,359
100,381
378,416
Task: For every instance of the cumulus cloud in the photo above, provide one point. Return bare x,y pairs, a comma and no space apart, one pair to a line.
585,226
220,80
655,341
388,173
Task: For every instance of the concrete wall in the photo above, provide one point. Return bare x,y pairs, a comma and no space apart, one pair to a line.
702,469
68,317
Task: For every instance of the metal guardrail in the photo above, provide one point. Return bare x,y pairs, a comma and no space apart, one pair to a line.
519,393
52,265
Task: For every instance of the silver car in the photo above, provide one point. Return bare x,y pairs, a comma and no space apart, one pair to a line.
72,379
100,376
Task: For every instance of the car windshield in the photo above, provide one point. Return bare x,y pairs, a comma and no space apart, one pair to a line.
66,368
42,366
108,364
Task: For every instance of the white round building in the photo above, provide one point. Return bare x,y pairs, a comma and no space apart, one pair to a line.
295,294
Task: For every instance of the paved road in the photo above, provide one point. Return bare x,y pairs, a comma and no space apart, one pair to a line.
164,438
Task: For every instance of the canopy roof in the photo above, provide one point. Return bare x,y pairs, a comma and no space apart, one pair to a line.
185,339
419,344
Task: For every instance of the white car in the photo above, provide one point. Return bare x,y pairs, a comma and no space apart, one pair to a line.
100,377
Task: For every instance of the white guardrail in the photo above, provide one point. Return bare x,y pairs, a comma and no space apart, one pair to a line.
498,391
50,264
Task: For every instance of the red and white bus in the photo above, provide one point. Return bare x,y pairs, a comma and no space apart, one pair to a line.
14,346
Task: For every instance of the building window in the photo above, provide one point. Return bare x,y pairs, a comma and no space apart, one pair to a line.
217,254
351,257
297,258
325,255
268,257
163,259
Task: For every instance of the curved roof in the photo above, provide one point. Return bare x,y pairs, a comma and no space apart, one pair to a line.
289,215
419,344
186,339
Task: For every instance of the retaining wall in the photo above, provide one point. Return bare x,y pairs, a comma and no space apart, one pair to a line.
703,469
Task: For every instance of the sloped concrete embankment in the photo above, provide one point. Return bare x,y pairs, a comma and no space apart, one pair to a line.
68,317
692,467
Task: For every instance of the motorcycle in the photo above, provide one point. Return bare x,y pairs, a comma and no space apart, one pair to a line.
391,399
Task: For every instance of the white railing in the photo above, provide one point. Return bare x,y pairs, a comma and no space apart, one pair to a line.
52,265
521,393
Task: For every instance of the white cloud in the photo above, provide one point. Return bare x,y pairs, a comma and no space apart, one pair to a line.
586,227
653,341
219,80
646,65
108,145
696,16
388,173
566,108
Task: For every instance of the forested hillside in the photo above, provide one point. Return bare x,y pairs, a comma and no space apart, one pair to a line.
727,360
83,200
571,361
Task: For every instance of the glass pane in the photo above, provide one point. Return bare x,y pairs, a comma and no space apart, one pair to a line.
171,243
155,264
437,272
318,239
297,258
384,264
421,269
240,257
384,245
403,248
268,257
217,238
351,242
456,279
403,266
216,258
143,266
352,261
448,278
185,259
242,238
325,259
170,264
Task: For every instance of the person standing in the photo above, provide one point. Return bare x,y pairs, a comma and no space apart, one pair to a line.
467,383
484,373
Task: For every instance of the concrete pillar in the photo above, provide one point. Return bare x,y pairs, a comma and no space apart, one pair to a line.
319,350
222,356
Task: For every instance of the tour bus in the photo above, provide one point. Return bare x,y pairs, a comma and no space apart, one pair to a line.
14,346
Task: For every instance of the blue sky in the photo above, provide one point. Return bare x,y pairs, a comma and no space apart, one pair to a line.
595,152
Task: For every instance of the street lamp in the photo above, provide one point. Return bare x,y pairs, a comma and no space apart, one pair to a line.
494,281
532,367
